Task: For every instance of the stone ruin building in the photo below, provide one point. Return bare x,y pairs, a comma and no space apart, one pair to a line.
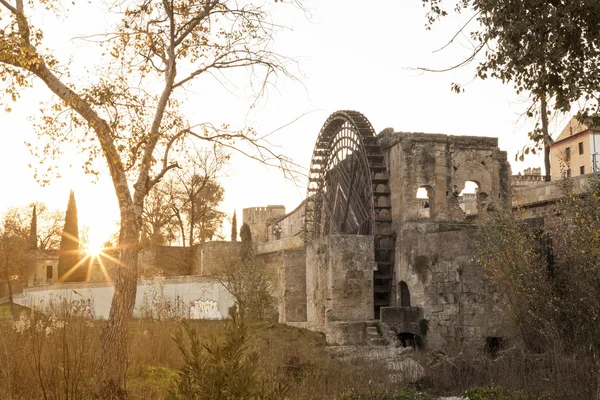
385,237
382,246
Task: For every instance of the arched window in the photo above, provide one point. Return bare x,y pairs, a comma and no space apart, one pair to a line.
425,202
404,295
468,198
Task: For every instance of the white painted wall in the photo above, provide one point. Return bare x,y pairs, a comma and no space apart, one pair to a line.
188,290
594,152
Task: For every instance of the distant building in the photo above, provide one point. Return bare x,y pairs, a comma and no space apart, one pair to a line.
575,151
529,177
258,218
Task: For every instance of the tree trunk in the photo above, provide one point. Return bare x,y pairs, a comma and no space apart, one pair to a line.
113,361
11,302
191,222
544,113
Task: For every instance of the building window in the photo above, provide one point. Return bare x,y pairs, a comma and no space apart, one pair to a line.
568,154
49,272
580,147
582,170
569,173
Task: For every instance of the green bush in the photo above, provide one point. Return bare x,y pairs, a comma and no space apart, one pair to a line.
496,393
399,394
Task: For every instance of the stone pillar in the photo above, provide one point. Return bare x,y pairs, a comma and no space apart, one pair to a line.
339,286
292,286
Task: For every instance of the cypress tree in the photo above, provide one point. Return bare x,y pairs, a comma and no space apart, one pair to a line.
33,230
234,227
68,255
246,252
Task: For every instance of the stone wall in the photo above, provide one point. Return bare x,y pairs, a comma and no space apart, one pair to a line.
442,165
166,260
258,218
436,261
212,258
339,286
289,226
291,284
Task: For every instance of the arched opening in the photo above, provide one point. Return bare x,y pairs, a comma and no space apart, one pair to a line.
468,198
409,339
404,294
493,345
425,205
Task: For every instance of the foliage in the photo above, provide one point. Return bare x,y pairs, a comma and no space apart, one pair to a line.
246,250
234,227
222,368
15,255
249,283
68,256
49,225
398,394
495,393
550,47
550,299
59,347
126,106
185,205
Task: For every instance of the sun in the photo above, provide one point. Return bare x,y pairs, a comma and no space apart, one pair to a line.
94,249
94,245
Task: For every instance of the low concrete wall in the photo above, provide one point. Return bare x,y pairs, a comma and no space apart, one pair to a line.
293,243
191,292
546,192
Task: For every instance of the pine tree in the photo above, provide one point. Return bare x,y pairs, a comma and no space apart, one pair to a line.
234,227
68,255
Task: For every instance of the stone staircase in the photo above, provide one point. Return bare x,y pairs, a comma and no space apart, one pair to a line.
380,334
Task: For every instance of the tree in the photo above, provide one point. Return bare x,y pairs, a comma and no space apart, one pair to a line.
550,277
68,256
550,49
129,113
246,251
248,281
159,225
49,224
234,227
15,245
197,195
184,206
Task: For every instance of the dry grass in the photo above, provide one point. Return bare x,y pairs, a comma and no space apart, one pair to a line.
550,375
288,356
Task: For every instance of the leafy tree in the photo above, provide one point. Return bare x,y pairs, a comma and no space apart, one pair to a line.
185,205
234,227
15,255
550,49
159,225
68,256
249,282
127,108
246,251
49,224
551,299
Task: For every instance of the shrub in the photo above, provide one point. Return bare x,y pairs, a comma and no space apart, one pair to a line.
220,368
496,393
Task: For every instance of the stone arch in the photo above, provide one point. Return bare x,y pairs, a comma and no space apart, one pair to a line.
404,294
425,202
473,171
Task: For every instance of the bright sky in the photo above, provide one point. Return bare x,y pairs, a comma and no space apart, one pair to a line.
350,56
